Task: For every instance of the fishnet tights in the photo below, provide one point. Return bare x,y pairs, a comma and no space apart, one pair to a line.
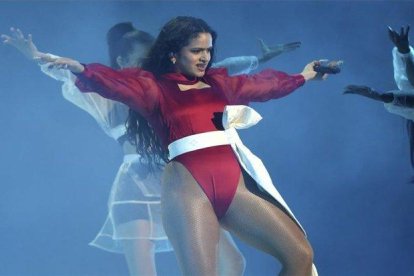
193,229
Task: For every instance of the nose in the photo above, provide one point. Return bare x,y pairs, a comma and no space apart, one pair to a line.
205,57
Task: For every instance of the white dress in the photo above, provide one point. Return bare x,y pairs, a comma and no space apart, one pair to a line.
135,193
404,86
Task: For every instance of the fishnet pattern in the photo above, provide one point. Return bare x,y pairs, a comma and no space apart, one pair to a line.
260,221
189,221
193,229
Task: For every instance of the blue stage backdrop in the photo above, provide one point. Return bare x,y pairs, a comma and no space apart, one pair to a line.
341,161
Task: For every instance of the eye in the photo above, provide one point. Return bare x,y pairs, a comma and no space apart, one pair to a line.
196,51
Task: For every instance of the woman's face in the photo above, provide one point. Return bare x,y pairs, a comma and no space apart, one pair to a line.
134,58
192,60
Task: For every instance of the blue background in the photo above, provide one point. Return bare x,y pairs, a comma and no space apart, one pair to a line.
341,162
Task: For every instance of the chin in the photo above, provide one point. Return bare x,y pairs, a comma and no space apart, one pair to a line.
199,74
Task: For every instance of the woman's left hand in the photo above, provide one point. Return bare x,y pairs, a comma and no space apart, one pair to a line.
64,63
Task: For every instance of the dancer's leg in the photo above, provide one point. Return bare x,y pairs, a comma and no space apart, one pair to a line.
139,253
189,221
260,221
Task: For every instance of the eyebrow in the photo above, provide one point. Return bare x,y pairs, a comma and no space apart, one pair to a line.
200,48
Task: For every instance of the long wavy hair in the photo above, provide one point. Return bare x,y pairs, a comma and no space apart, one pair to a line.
176,34
121,39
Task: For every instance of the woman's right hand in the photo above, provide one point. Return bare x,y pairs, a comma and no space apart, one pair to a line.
309,72
23,44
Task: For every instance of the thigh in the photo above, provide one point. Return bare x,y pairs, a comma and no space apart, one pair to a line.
189,221
260,221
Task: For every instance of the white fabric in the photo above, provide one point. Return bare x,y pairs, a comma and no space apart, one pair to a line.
110,115
404,86
234,117
196,142
134,197
400,72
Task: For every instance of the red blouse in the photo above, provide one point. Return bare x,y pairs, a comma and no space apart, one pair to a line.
175,114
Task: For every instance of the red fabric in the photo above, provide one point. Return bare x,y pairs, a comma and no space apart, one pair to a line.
175,114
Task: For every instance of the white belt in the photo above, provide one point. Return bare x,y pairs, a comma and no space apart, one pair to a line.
196,142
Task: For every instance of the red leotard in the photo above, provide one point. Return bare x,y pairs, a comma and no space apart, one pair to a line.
175,114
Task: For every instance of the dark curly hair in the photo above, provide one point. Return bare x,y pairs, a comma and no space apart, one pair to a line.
176,34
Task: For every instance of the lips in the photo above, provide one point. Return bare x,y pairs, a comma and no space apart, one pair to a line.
201,67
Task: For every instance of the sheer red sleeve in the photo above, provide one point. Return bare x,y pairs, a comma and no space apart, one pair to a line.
266,85
134,87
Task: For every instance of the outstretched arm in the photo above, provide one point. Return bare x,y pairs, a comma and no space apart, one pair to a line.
107,113
263,86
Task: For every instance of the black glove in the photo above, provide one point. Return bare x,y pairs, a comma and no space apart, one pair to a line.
369,93
400,40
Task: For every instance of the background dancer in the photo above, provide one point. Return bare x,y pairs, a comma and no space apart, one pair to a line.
399,102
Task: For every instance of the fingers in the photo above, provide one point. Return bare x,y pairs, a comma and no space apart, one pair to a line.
57,63
351,87
45,58
6,39
391,34
30,38
19,34
293,44
357,88
263,46
406,31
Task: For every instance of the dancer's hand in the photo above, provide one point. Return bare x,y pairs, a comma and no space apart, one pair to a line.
269,52
400,40
64,63
23,44
368,92
309,72
358,89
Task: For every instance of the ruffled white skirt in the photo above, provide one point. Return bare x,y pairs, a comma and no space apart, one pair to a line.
135,196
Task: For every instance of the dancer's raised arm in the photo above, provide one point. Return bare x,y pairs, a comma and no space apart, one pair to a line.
403,58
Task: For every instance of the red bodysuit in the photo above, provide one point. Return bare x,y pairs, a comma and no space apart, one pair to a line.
175,114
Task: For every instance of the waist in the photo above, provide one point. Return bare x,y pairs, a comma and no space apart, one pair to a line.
197,141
